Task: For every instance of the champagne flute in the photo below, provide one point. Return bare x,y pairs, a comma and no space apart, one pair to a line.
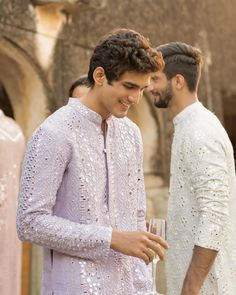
157,226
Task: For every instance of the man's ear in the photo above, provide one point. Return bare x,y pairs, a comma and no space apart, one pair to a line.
179,82
99,76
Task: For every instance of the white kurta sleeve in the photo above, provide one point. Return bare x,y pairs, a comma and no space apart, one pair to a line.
207,166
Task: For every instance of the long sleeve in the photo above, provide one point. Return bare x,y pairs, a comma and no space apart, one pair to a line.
46,162
207,164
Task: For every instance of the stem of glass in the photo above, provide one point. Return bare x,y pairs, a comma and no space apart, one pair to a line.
154,272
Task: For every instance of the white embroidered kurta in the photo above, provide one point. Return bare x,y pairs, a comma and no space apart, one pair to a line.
11,155
202,201
77,186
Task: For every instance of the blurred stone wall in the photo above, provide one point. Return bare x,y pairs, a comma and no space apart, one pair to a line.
46,45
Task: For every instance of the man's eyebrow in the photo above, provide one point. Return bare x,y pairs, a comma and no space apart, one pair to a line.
154,78
134,85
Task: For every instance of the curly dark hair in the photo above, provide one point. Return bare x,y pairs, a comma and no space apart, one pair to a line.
184,59
124,50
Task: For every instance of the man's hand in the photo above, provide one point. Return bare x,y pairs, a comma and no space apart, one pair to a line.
199,267
139,244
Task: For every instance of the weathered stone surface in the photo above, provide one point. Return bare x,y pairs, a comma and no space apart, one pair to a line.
89,3
35,90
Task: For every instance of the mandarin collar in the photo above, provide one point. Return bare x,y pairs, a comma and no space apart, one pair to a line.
87,112
186,112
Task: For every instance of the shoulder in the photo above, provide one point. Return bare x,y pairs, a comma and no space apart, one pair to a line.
9,129
13,125
56,126
205,127
205,135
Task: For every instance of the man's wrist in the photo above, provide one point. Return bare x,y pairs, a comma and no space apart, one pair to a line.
115,238
190,289
199,267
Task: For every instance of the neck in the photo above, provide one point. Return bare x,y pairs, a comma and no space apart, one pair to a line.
183,101
92,101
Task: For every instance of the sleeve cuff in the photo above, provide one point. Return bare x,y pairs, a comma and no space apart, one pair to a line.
209,235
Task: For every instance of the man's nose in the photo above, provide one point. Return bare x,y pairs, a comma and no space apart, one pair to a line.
150,88
134,98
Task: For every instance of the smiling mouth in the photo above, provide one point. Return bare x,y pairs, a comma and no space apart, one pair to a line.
124,105
156,94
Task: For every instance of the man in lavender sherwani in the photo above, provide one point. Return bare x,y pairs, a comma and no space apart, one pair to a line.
82,190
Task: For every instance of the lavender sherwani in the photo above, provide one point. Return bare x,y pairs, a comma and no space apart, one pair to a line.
69,205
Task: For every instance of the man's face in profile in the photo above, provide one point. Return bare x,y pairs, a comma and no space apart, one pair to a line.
161,90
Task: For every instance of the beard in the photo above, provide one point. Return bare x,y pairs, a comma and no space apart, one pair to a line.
164,97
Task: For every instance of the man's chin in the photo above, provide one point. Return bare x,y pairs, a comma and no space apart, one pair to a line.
160,104
120,115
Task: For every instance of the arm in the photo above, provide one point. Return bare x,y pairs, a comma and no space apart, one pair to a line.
46,159
209,179
199,267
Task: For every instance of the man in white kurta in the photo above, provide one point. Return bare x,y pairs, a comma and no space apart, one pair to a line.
202,201
11,154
